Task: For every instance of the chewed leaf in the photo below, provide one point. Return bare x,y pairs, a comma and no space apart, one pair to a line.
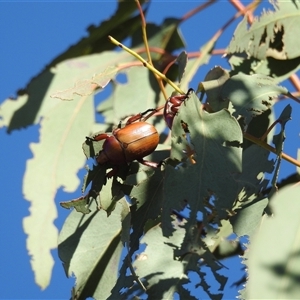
213,137
80,204
279,138
86,87
251,95
56,156
272,35
286,115
94,144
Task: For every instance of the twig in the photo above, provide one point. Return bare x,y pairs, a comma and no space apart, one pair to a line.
146,64
263,144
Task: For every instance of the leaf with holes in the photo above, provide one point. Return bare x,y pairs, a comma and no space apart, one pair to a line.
212,170
272,35
251,95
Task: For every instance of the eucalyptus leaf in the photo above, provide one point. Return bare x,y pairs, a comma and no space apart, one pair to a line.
271,35
80,204
251,95
94,263
212,85
274,257
215,139
181,60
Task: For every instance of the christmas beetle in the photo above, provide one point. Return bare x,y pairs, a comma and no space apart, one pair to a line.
134,141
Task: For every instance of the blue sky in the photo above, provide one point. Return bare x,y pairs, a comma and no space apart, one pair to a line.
32,34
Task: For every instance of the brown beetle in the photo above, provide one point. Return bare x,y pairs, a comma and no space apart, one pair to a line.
132,142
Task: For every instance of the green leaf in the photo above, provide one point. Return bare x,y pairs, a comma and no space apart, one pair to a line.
38,104
274,259
246,221
55,163
90,247
215,139
80,204
138,173
251,95
212,84
249,206
181,60
279,138
110,195
256,163
92,147
213,238
271,35
56,156
30,108
185,294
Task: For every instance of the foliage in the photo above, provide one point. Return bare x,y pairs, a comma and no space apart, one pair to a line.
145,231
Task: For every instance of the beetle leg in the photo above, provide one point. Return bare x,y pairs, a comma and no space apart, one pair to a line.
98,137
141,116
152,112
135,118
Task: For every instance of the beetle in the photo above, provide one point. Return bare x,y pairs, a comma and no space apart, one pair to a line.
134,141
172,105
